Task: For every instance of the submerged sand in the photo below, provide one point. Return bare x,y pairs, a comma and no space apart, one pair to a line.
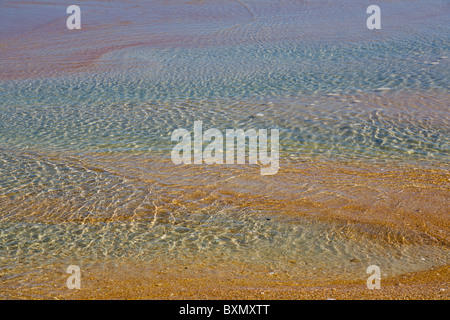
398,205
220,282
392,202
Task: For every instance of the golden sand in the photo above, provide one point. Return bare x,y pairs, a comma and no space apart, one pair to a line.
401,204
229,281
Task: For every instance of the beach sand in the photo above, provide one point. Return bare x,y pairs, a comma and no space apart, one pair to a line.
414,213
222,282
85,143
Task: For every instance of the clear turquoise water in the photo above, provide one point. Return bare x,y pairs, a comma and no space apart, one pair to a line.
141,94
139,70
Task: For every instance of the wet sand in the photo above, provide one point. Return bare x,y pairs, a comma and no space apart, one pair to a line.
408,200
368,201
222,282
397,202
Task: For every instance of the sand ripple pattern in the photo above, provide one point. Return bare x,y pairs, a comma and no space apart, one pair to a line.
86,118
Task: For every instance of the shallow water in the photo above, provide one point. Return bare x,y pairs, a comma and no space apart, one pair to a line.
77,105
295,246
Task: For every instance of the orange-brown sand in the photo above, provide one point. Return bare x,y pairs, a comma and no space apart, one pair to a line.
398,203
231,281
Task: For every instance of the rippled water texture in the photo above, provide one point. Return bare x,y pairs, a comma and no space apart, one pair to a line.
86,117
